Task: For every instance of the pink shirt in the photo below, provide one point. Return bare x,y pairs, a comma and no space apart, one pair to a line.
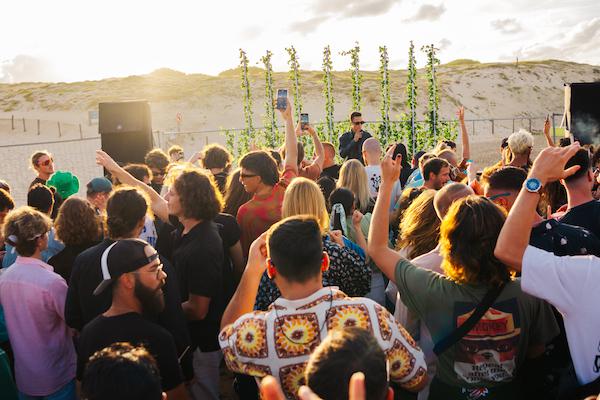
33,298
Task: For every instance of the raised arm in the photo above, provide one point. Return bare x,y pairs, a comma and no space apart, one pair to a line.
319,150
464,134
291,140
385,258
514,237
549,140
158,204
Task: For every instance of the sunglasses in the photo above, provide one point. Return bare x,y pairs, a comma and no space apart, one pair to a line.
358,123
248,175
47,162
499,195
159,173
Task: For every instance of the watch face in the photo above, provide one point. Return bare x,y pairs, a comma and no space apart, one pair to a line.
533,185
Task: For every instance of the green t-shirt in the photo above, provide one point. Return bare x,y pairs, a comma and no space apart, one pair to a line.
491,353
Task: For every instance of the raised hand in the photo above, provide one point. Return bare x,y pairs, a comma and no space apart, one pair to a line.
337,237
357,217
549,166
287,113
547,125
257,257
390,169
460,113
106,161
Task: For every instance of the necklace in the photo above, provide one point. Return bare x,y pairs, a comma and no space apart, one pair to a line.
280,326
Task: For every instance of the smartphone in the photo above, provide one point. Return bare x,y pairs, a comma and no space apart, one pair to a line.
303,120
282,99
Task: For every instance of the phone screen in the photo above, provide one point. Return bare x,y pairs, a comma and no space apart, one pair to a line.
281,99
304,119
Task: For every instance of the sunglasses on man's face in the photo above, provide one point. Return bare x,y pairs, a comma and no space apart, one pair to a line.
159,173
46,163
358,123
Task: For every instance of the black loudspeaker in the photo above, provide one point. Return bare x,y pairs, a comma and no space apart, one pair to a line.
126,130
582,106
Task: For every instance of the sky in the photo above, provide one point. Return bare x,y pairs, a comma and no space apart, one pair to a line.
68,40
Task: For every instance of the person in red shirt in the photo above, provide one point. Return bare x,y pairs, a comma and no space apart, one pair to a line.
260,177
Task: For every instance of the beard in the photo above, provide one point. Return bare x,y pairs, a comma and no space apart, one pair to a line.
152,300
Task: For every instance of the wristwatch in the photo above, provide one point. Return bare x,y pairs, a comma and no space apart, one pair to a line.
533,185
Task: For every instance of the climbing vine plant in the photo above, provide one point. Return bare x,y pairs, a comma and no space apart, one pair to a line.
433,95
328,94
354,54
410,118
384,127
270,122
248,135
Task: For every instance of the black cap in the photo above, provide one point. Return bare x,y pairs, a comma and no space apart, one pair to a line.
121,257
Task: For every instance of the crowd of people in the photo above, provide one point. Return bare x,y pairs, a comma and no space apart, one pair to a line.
359,273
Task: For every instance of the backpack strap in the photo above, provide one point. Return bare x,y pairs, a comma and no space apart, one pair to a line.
462,330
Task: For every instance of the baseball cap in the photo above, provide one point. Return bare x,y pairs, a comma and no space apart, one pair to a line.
121,257
66,183
99,185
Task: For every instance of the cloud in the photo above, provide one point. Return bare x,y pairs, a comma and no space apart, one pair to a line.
507,26
580,43
25,68
444,44
339,9
428,12
354,8
251,32
309,25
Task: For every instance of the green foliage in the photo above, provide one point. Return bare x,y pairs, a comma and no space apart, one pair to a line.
356,76
449,130
384,127
328,94
409,120
247,96
433,96
294,76
272,134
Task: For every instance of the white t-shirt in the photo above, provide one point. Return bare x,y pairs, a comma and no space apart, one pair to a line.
149,232
571,284
374,178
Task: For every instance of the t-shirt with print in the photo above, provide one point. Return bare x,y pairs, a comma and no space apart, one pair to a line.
492,352
280,341
374,178
586,215
257,215
571,285
133,328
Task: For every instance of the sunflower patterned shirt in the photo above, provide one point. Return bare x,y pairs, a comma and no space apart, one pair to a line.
279,341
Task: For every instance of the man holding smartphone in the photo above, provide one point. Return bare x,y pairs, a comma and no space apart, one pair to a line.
351,142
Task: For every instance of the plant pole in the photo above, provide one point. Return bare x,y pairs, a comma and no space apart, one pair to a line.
249,131
432,117
356,75
328,93
270,121
411,101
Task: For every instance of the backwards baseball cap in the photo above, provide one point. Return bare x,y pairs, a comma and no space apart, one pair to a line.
121,257
99,185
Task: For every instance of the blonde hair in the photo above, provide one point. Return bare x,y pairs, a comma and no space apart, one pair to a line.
354,177
420,226
23,226
520,142
304,197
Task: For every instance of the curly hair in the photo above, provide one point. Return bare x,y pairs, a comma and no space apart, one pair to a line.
77,222
23,226
125,208
520,142
6,201
468,238
199,196
216,156
420,226
156,158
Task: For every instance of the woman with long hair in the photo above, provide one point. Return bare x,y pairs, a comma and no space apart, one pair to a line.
354,177
419,229
235,195
347,269
78,227
515,325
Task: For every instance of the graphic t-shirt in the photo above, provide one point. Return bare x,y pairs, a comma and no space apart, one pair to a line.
586,215
149,232
571,285
491,353
258,214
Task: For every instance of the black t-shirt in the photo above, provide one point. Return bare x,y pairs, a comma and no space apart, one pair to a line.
563,239
586,215
198,260
135,329
221,180
82,306
230,233
332,172
64,259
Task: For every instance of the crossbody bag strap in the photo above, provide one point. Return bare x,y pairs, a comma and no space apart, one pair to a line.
462,330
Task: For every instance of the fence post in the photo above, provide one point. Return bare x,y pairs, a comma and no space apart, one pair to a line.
529,124
12,122
513,125
473,128
24,128
59,132
492,121
80,132
38,127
